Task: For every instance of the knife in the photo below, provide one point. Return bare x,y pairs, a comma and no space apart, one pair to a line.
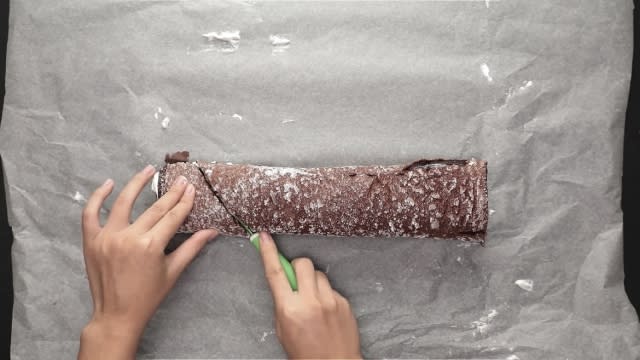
254,237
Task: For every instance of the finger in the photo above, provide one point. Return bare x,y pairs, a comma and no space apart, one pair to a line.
185,253
95,281
164,229
90,229
326,294
91,211
343,303
121,211
339,296
324,287
161,207
273,271
306,276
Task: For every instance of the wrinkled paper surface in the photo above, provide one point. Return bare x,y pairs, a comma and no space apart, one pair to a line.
98,89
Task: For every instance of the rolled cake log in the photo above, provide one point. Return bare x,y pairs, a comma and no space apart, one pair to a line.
427,198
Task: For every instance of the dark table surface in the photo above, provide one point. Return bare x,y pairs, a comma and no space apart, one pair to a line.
631,176
6,237
6,289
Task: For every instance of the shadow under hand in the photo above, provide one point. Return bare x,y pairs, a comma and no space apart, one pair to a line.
177,240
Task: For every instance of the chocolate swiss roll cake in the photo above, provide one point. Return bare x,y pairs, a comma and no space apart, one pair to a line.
427,198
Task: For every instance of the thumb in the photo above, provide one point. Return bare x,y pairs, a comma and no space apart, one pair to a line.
185,253
273,270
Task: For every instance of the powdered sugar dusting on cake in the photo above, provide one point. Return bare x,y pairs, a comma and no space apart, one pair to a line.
282,171
343,201
289,190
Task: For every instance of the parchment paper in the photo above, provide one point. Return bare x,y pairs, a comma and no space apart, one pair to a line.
537,88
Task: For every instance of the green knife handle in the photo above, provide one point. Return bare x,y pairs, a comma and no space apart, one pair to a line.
286,265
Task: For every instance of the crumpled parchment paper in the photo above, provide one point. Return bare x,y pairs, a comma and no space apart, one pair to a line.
98,89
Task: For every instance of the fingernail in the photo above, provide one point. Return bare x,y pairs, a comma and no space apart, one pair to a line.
265,238
190,189
107,182
181,180
149,170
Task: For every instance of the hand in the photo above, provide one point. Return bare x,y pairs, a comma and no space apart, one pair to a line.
315,322
129,274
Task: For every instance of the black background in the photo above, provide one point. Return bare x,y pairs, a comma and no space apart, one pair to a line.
630,192
631,175
6,237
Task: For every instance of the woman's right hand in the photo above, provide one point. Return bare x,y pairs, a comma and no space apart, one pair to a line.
315,322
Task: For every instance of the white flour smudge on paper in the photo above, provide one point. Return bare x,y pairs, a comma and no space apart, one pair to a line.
161,115
486,72
277,40
379,288
287,121
231,36
165,122
513,357
517,91
465,245
526,85
482,325
226,41
237,116
79,197
491,211
265,334
525,284
279,43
